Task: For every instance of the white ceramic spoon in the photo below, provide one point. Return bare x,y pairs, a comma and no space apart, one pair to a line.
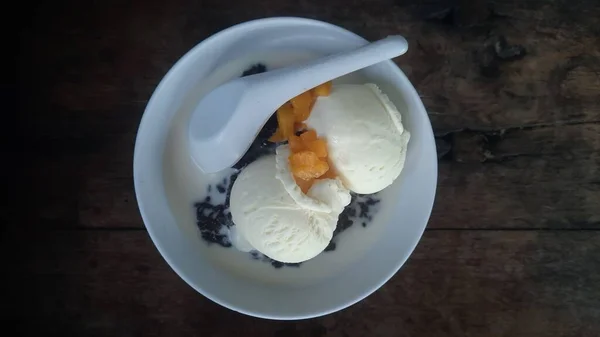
226,121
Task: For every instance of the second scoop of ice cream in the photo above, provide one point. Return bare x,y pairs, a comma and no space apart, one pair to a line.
272,222
365,137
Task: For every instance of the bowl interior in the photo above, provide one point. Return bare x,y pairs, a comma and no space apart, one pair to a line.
167,182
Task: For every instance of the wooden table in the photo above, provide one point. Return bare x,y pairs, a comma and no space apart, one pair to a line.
513,246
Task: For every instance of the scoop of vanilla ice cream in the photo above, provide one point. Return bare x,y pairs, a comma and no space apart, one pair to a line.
366,141
271,221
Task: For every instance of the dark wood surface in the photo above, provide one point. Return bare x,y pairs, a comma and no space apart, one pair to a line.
513,245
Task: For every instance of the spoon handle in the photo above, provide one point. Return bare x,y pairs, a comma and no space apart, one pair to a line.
290,81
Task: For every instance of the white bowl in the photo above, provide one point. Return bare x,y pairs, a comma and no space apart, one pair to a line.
166,182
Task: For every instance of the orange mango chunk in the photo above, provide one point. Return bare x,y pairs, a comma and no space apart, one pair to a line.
319,147
309,136
306,165
277,136
330,174
302,113
285,120
304,185
303,100
300,126
292,114
323,89
308,159
296,144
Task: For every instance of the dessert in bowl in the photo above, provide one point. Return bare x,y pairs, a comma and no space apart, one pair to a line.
322,210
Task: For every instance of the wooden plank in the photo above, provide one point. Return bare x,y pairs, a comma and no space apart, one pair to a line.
534,178
79,182
464,83
457,283
94,65
102,57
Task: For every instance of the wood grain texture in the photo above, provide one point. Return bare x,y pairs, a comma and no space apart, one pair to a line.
513,92
546,177
94,65
103,54
457,283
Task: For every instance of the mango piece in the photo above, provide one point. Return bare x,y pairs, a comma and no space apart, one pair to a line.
308,159
302,105
304,185
309,136
303,100
323,89
306,165
318,146
277,136
296,144
285,120
302,113
300,126
303,158
330,174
